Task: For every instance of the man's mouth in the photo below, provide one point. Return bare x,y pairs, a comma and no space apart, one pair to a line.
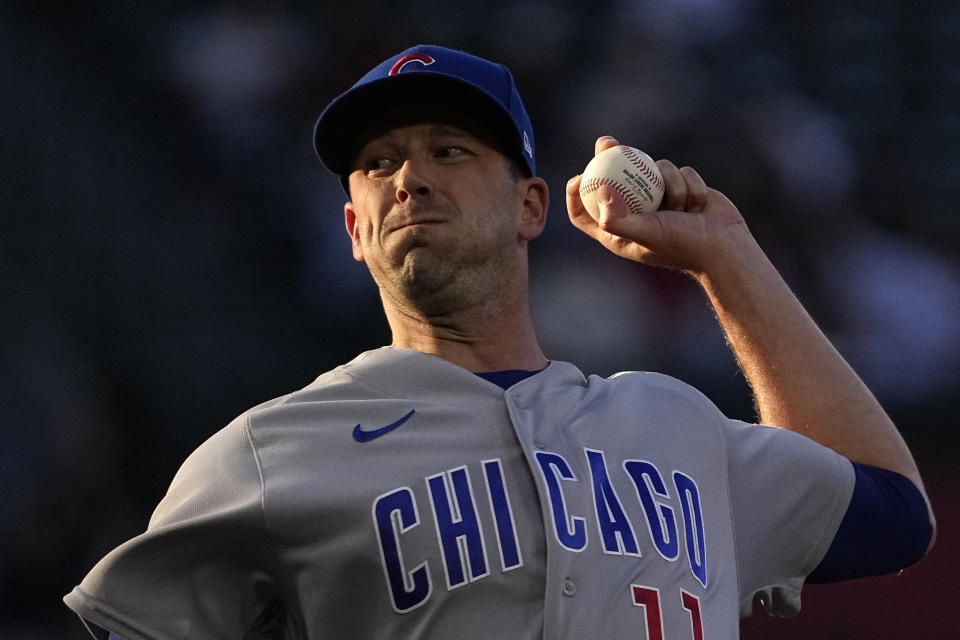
415,222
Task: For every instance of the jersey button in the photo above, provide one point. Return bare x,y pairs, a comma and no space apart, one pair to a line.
569,588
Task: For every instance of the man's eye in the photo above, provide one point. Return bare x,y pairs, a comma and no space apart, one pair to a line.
379,164
451,152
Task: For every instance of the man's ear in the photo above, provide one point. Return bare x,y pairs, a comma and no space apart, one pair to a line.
536,201
350,220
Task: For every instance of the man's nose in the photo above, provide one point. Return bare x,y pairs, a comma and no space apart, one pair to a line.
411,181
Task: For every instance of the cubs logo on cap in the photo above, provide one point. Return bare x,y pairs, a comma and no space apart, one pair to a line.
398,66
427,75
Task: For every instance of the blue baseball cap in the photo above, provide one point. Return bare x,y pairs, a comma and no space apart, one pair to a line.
431,76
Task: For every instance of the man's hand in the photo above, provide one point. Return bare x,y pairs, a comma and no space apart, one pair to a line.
693,227
800,382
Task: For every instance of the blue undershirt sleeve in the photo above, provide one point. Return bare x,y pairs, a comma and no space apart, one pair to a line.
886,528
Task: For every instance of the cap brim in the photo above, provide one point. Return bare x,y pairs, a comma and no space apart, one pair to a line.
346,118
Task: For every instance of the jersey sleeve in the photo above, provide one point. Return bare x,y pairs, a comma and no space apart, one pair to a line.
788,495
205,566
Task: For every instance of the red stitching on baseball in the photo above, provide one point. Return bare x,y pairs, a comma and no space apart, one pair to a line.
641,164
634,204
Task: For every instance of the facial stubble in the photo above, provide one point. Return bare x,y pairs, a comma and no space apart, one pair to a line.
440,277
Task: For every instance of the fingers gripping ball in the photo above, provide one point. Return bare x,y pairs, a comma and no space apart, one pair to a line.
628,171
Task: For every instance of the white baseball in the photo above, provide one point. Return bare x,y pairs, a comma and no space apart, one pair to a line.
628,171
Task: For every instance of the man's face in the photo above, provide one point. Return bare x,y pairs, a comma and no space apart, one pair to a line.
436,213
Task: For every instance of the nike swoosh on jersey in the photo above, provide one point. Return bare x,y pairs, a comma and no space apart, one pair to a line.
363,435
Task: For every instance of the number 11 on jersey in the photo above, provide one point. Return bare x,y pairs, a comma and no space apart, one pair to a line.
649,599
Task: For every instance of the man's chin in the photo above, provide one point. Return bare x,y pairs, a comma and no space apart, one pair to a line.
426,281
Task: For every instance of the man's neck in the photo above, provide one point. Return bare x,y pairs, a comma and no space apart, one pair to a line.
478,339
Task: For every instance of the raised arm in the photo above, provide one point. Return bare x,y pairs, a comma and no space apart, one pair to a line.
799,380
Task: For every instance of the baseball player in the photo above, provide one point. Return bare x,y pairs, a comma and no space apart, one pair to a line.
458,483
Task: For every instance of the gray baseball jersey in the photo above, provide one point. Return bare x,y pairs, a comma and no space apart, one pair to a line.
401,496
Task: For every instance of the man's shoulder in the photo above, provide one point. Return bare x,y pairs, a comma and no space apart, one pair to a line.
347,378
655,386
387,373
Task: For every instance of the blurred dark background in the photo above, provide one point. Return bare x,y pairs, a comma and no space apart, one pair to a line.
172,253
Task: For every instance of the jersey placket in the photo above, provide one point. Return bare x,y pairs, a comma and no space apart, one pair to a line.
538,422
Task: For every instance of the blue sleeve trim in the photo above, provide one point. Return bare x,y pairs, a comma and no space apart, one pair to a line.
99,632
886,528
